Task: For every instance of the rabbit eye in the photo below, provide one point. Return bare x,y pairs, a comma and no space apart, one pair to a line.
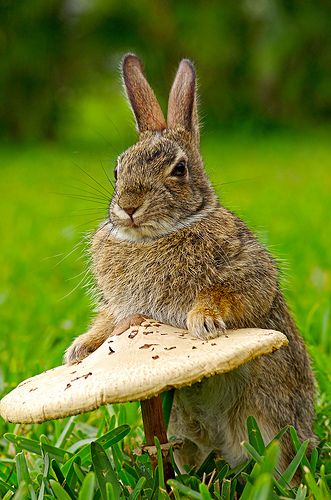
115,173
179,170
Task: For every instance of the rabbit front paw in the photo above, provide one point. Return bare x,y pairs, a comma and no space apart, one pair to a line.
81,347
204,325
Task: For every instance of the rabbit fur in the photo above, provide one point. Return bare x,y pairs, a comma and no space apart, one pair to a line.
170,251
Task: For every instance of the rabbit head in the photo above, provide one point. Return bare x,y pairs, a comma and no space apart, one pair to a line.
161,185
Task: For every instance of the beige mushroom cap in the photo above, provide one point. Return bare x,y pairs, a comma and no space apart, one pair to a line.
139,364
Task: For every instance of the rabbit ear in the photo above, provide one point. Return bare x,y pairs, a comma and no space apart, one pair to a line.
144,104
182,105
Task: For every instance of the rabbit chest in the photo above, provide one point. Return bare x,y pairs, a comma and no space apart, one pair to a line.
159,278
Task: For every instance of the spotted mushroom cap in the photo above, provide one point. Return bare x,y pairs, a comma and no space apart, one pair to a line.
142,362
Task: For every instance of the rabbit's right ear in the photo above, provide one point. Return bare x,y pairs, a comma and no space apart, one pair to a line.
144,104
182,105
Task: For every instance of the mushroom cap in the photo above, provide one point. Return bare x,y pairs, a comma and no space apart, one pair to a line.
138,364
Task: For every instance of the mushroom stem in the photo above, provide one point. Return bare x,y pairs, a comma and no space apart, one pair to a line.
154,425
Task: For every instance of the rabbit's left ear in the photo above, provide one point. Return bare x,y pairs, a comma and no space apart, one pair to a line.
143,102
182,105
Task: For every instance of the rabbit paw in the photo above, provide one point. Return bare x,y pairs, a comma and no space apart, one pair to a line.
126,323
81,347
89,342
205,326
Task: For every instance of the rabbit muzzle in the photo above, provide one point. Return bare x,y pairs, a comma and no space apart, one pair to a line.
128,215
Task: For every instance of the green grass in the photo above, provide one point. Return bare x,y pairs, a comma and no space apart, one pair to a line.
279,184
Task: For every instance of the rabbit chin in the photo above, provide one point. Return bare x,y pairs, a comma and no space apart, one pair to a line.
154,230
143,232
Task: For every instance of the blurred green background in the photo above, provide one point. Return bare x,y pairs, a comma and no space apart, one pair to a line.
265,102
261,61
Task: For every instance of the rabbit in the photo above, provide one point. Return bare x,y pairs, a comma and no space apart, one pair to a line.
172,252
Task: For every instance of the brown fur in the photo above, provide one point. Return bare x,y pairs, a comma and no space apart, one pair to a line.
183,259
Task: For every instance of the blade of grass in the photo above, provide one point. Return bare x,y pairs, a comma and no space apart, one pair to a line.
7,486
301,493
67,430
246,494
289,473
79,473
254,435
58,491
138,488
297,444
107,440
313,460
167,400
181,488
22,492
86,491
104,471
222,473
62,480
71,477
34,446
316,492
160,464
110,495
205,495
23,473
226,489
8,495
46,461
252,452
262,489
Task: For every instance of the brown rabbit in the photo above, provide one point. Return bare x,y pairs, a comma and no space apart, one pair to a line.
170,251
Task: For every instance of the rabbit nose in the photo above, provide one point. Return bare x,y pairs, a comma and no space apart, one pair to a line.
129,210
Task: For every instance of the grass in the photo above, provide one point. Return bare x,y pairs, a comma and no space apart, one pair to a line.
279,183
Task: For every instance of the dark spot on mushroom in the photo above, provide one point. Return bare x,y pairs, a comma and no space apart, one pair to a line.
226,336
24,383
33,389
67,386
213,343
169,348
72,373
164,334
78,362
147,325
146,346
82,376
111,351
147,332
155,357
132,334
194,347
109,341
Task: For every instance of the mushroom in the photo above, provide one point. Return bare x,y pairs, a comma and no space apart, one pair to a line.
137,365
